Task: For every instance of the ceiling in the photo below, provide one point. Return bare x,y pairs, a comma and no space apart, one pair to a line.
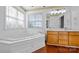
28,8
32,7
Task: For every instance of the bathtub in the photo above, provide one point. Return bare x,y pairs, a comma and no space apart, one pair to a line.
21,43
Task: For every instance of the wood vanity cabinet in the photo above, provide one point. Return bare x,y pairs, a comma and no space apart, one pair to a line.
63,38
52,37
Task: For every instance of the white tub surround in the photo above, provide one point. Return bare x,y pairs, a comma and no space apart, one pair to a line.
21,43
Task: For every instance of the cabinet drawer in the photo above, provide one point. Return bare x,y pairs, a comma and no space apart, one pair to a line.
64,37
63,33
51,32
52,36
73,33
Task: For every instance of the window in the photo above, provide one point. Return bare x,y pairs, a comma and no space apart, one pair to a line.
14,18
20,16
12,12
35,21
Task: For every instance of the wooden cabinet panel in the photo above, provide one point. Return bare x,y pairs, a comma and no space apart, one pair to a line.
73,33
51,32
74,40
52,39
63,42
63,39
63,33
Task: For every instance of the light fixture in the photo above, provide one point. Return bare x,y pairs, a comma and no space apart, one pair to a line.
58,11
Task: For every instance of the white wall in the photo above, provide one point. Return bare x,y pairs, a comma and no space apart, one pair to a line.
2,18
72,17
75,17
67,18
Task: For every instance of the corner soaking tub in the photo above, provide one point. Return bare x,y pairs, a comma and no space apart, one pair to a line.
23,43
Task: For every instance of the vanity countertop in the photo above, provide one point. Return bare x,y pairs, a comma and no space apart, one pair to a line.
62,30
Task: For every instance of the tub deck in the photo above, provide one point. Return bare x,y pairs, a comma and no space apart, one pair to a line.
22,44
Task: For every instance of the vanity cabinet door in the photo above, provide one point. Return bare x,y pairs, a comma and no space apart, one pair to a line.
74,40
63,39
52,39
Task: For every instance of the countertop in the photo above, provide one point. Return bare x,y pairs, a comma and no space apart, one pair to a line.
63,30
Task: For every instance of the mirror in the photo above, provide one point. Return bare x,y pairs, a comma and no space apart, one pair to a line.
55,18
